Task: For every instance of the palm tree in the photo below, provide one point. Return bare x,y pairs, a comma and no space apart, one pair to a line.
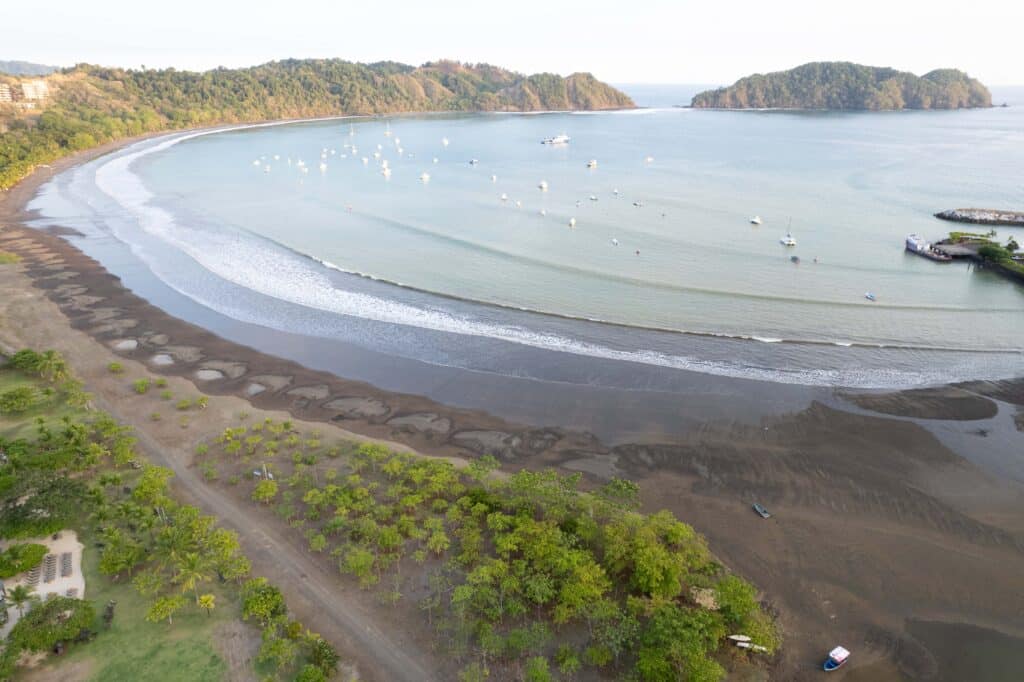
192,570
52,366
19,595
206,601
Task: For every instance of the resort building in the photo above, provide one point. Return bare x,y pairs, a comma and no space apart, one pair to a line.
5,92
34,90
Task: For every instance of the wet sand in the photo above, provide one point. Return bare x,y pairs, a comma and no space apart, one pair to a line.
876,523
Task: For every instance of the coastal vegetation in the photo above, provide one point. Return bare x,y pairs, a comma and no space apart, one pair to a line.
526,574
166,566
844,85
90,105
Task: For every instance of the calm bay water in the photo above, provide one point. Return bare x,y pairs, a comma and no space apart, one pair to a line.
662,267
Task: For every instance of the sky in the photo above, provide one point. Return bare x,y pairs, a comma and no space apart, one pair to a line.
640,41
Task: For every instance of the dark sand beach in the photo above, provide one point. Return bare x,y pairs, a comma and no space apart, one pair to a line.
905,547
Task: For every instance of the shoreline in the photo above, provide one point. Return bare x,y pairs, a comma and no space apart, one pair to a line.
860,501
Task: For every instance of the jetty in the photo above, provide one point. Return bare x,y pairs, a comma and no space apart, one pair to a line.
983,216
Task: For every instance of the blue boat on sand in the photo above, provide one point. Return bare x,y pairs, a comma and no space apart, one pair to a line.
836,658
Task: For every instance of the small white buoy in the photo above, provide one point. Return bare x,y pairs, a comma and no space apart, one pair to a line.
648,159
543,185
323,167
277,157
593,197
572,222
386,172
424,177
435,159
519,204
444,141
504,197
543,212
615,242
494,178
592,163
365,161
256,162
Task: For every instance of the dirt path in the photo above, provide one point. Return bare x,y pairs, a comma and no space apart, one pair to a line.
317,597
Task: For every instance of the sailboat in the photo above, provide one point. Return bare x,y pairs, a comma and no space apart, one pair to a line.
788,240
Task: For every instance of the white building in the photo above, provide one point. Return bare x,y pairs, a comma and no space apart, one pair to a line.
5,92
34,90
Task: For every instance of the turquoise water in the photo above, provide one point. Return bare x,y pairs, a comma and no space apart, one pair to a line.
661,238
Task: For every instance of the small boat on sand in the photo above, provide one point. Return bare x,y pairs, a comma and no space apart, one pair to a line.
870,296
836,658
756,220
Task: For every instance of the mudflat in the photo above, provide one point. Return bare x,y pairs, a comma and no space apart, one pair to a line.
877,526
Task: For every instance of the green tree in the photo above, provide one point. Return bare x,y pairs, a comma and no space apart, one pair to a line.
262,601
207,602
192,570
265,491
19,595
165,607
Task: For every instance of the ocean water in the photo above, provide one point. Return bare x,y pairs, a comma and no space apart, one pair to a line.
287,226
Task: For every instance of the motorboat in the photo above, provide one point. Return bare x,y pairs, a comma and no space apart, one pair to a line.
870,296
592,163
836,659
424,177
572,222
756,220
473,162
557,139
542,185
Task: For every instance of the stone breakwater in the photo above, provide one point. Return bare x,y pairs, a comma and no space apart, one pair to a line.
982,216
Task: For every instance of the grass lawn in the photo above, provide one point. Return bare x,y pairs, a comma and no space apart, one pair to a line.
133,649
22,425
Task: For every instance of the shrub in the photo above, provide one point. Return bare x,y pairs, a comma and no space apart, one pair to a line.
141,386
116,368
166,395
155,417
209,471
17,400
183,404
160,382
20,557
202,401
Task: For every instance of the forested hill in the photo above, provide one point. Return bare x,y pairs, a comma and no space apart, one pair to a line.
843,85
88,105
18,68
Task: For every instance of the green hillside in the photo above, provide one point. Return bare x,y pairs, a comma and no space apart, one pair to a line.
90,105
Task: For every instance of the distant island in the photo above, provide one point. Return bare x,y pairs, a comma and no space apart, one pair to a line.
848,86
84,106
